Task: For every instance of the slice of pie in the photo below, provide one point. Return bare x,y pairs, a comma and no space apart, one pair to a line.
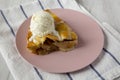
63,38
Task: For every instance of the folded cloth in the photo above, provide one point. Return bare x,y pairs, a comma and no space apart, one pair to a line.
106,67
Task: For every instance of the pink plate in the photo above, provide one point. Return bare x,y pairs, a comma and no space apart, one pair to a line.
91,42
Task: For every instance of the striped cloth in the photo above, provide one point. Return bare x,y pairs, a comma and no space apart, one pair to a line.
106,67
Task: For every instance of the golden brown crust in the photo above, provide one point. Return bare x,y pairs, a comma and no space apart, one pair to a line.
50,43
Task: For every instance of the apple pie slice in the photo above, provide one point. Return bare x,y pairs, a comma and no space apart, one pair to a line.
64,39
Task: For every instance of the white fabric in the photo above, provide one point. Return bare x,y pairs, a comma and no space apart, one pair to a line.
105,65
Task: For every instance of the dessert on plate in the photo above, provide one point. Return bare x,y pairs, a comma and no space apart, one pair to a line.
48,33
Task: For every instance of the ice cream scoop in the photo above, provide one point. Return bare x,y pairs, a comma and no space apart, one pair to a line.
42,23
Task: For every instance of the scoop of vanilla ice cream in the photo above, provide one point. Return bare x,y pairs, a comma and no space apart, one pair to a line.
42,23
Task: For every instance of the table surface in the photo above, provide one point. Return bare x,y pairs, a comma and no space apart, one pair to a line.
104,10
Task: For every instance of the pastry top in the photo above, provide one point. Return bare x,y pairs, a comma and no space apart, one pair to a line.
58,32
